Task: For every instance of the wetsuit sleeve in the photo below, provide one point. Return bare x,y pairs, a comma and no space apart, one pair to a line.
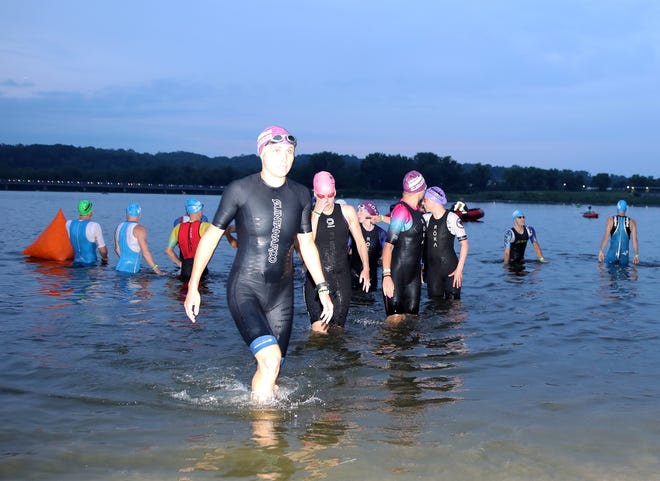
306,216
174,237
231,199
455,226
400,220
532,234
508,238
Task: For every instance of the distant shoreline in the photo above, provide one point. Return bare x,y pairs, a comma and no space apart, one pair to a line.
582,198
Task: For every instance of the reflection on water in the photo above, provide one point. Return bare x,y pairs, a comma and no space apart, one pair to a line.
270,453
545,373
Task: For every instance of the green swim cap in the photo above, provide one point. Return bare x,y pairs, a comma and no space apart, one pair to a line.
84,207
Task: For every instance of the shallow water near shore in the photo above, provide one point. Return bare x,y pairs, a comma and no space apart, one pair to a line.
548,373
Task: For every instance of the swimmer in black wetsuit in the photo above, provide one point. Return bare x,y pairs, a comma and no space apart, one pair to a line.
402,254
331,224
374,236
443,271
270,212
516,238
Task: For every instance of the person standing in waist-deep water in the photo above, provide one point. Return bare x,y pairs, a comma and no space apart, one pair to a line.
131,243
620,231
374,237
271,212
187,234
86,236
332,223
443,270
402,254
516,238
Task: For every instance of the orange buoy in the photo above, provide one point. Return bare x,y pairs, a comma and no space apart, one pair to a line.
53,243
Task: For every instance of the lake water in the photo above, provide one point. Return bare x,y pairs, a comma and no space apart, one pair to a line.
546,374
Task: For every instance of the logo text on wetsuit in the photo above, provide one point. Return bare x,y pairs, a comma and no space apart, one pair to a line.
275,234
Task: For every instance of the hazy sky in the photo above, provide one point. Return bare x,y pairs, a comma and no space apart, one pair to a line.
564,84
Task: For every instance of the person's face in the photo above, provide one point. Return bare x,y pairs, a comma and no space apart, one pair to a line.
277,159
420,198
324,200
363,215
520,220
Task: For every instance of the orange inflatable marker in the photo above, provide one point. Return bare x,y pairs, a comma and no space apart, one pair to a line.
53,243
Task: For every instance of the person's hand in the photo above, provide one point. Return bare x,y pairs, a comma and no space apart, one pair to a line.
365,279
388,286
328,308
191,304
322,204
636,259
458,278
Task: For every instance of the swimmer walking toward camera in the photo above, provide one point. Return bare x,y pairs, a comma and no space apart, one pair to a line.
374,237
271,212
402,254
516,238
443,271
331,224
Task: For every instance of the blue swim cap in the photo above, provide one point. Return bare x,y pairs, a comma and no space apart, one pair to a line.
133,209
518,213
622,206
193,205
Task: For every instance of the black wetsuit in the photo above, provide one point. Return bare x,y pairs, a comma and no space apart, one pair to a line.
332,242
374,239
440,258
260,285
518,243
406,266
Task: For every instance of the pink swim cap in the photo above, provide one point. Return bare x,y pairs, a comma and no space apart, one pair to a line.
370,207
324,183
414,182
267,135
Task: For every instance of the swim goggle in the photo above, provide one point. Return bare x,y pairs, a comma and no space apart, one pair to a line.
279,138
323,196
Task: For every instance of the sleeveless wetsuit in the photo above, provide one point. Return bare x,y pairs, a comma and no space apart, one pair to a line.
85,251
188,236
618,252
518,242
331,240
440,258
374,238
131,255
406,233
260,285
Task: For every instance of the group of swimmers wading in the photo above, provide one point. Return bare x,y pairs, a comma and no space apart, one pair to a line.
340,248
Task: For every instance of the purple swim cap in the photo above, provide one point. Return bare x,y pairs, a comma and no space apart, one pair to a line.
370,207
413,182
324,183
436,194
266,137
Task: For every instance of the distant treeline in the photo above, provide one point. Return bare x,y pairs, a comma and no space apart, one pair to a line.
375,173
